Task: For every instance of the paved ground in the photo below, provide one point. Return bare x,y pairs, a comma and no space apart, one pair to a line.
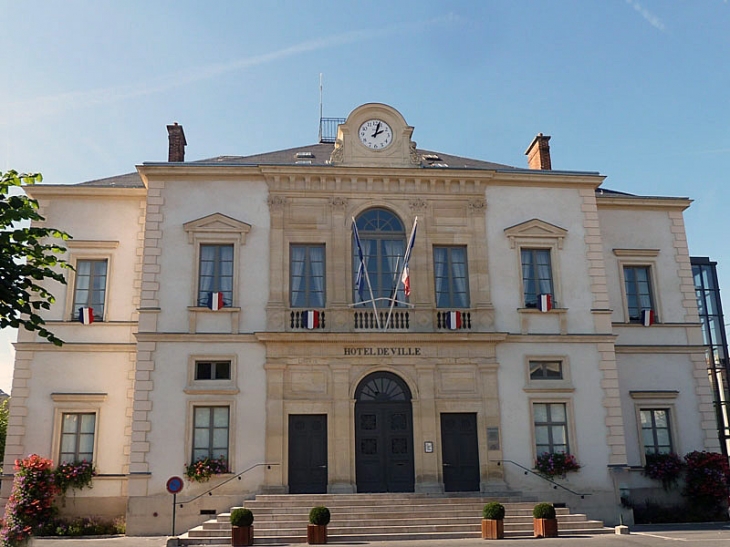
702,535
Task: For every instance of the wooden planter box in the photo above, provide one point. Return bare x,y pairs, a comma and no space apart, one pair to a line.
545,528
241,536
316,534
492,529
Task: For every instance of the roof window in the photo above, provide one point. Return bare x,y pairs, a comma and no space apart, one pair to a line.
304,155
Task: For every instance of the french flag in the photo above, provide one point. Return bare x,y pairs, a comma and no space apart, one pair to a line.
545,302
406,277
86,316
311,319
647,317
453,320
215,300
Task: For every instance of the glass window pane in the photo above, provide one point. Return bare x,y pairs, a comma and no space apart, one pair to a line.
559,436
541,435
660,418
86,444
557,412
553,369
648,437
220,417
70,423
220,438
202,417
68,443
540,411
223,370
662,436
203,371
87,423
202,438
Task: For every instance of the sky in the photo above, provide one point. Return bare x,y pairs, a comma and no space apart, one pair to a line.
637,91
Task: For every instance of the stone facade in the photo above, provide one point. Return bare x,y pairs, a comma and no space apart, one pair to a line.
509,381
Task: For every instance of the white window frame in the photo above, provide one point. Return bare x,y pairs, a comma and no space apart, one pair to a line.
75,403
216,229
552,385
190,425
656,400
645,258
89,250
307,245
569,426
212,387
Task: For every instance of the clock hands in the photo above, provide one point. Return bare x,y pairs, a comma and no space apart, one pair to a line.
378,131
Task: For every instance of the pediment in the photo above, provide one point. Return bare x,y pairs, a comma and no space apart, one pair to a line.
217,225
535,229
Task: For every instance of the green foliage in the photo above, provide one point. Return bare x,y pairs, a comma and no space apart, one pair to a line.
706,480
203,469
26,258
555,465
543,511
493,511
82,526
664,467
4,408
319,515
241,516
74,475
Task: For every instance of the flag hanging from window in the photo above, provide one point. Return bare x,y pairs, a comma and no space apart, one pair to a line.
453,320
647,317
360,278
86,316
215,300
545,302
406,277
311,319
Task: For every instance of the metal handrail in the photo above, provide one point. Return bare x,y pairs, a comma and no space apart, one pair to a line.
555,484
238,476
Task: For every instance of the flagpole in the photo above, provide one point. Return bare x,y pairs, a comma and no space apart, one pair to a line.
365,270
406,258
394,295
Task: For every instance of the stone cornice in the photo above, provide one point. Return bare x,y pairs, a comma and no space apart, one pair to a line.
75,191
192,337
677,349
77,347
366,338
613,202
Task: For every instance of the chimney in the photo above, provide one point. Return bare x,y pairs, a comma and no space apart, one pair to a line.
176,136
538,153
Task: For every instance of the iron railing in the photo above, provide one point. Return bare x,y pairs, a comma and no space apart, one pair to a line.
555,484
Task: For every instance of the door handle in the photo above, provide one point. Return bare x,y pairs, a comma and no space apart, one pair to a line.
322,467
447,465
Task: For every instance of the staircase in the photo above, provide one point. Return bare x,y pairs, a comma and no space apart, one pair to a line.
382,517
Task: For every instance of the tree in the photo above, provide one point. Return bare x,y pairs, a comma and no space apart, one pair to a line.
26,258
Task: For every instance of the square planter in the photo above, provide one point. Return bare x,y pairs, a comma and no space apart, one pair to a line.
316,534
492,529
241,536
545,528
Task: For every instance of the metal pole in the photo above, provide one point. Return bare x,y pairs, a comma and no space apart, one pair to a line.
174,507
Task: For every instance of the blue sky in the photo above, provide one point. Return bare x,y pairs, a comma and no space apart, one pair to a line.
638,91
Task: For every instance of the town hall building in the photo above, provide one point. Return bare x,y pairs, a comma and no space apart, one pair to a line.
361,315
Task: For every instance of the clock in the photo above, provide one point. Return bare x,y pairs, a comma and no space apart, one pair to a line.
376,134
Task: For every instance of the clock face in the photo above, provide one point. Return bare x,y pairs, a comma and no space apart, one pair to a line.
376,134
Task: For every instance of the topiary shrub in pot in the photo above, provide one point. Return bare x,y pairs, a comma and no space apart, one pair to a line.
493,521
544,521
319,518
241,527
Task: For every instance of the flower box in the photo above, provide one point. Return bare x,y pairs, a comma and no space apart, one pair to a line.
492,529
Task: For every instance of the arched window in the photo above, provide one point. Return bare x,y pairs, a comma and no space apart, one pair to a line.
382,387
383,240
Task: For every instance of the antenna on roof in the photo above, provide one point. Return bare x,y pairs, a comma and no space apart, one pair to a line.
320,107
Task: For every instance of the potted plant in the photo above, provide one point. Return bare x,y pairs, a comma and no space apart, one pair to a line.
319,518
241,527
493,521
544,521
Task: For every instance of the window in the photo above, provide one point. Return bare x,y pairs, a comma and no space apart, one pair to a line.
213,370
551,428
307,276
77,437
383,240
452,287
537,275
90,289
546,370
638,291
216,273
210,432
655,430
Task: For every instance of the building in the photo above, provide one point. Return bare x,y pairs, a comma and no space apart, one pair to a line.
545,314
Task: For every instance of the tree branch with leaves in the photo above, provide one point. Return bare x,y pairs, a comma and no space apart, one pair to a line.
28,256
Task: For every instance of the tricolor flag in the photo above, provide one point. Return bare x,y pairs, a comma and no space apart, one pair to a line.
86,316
360,278
215,300
310,319
544,302
406,277
453,320
647,317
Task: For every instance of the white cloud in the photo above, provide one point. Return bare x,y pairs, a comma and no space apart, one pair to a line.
652,19
7,358
41,107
